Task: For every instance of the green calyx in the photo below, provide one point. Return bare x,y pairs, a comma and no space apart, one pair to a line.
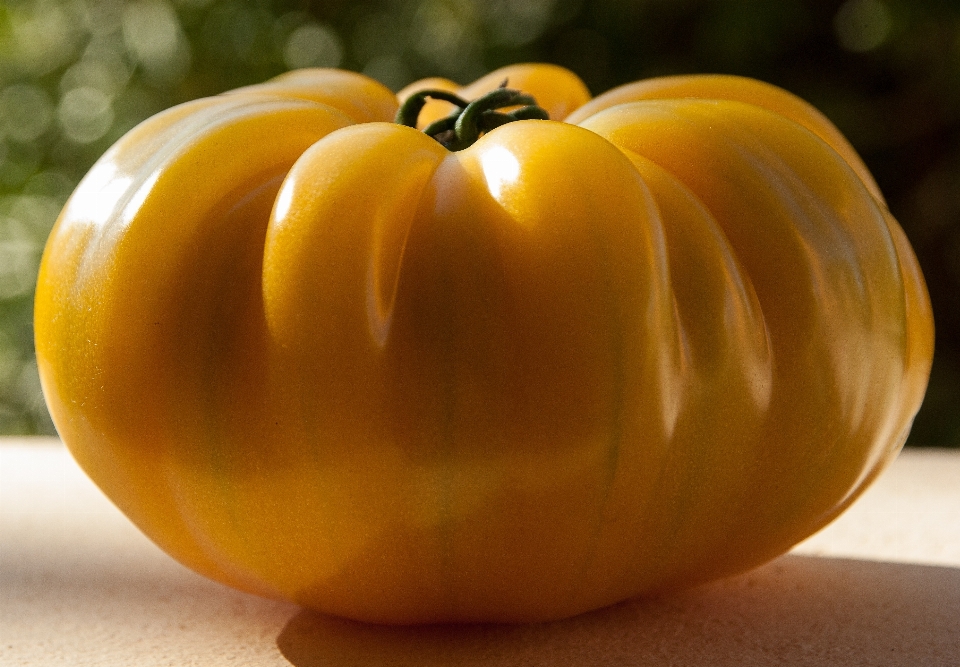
470,119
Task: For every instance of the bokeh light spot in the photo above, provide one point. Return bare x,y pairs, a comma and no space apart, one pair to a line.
85,114
519,22
862,25
152,34
107,76
25,112
313,45
19,259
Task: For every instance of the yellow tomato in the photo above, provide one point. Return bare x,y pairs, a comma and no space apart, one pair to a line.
318,356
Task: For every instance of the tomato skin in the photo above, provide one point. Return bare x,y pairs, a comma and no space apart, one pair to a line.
319,357
735,89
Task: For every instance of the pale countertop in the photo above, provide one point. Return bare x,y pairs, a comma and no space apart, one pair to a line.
79,585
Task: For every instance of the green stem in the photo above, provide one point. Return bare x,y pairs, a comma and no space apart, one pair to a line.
470,119
408,113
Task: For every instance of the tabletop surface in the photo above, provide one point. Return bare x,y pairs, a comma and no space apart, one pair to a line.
79,585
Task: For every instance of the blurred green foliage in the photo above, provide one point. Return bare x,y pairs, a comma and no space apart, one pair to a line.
76,74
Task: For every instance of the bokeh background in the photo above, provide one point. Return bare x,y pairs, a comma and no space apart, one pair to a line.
76,74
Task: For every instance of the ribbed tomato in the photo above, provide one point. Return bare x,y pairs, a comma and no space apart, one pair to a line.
318,355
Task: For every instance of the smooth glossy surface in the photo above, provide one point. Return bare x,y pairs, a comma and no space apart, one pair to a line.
563,367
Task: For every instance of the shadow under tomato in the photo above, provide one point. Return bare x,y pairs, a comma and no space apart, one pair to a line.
796,610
